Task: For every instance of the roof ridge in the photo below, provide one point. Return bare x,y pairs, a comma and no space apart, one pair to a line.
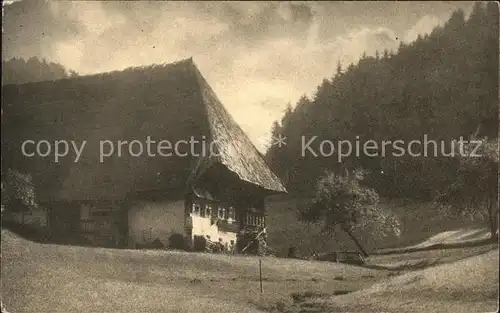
186,62
199,79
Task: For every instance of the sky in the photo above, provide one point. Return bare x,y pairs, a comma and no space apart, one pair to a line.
257,56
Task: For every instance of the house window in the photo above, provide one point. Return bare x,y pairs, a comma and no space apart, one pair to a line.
208,210
202,210
88,226
85,212
230,213
196,208
221,213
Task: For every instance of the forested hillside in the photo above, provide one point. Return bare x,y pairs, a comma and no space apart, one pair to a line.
19,71
443,85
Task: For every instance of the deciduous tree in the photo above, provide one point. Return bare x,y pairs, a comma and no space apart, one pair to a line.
474,193
342,202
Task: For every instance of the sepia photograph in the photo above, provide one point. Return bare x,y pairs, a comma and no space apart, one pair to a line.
250,156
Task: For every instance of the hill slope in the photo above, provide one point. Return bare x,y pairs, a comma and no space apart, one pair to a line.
469,285
50,278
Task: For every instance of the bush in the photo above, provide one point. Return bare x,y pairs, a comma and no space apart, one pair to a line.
157,244
215,247
292,253
177,242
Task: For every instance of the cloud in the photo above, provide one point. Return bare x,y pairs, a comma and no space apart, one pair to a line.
365,40
282,70
424,26
31,27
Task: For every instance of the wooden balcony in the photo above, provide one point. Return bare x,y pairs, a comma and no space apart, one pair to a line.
253,219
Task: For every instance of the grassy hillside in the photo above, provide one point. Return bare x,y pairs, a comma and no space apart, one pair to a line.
419,221
50,278
469,285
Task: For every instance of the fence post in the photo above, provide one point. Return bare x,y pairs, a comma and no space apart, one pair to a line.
260,275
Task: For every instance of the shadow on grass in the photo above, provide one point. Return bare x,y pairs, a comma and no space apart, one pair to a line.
402,267
301,302
299,297
427,262
439,246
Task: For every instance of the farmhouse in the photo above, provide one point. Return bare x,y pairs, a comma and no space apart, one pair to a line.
132,199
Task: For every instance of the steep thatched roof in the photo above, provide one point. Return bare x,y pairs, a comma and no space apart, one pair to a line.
165,102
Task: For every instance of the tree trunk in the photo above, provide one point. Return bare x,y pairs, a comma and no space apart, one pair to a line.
493,231
365,254
492,215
